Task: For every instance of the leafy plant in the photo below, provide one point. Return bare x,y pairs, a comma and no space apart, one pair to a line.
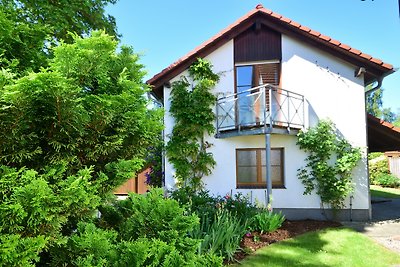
266,221
240,206
388,180
69,134
191,107
222,237
332,182
378,168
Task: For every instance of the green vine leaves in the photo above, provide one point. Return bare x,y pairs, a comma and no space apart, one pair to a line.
329,165
192,108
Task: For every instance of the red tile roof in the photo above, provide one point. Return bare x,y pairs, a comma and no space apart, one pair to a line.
326,40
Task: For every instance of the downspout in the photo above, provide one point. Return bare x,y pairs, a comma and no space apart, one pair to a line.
379,80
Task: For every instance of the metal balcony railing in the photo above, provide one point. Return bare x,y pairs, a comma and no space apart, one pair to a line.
265,107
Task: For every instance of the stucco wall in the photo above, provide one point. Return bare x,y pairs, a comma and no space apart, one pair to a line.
332,92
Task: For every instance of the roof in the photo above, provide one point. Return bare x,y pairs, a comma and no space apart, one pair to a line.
382,135
375,67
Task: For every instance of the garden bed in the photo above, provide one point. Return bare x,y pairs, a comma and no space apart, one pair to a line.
253,241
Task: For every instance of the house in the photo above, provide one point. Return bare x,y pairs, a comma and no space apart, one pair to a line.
296,76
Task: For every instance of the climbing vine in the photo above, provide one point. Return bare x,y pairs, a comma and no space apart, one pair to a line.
329,165
191,106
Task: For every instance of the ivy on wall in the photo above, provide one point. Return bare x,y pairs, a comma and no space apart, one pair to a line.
192,108
329,165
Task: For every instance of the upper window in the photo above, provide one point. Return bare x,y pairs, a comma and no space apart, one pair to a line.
251,168
253,75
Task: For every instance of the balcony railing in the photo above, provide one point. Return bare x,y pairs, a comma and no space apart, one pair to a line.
265,107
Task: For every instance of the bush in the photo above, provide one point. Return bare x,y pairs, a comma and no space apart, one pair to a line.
376,169
388,180
155,231
240,206
266,221
153,216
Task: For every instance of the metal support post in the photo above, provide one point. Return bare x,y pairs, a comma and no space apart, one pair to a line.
268,168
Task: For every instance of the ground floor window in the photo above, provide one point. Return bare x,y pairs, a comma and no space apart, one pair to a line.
251,168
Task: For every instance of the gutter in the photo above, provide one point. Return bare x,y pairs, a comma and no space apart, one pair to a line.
379,80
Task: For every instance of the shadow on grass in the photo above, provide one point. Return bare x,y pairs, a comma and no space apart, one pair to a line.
294,252
384,194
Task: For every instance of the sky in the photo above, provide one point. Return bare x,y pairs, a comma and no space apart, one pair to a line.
162,31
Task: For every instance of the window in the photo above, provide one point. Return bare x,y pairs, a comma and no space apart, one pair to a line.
251,104
250,75
251,170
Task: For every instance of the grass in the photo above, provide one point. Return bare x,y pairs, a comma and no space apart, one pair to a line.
378,191
327,248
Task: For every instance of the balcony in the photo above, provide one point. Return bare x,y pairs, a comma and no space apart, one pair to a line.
260,110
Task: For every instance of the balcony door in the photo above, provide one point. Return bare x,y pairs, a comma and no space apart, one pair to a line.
253,104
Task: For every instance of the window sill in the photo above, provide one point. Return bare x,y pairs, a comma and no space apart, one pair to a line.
259,187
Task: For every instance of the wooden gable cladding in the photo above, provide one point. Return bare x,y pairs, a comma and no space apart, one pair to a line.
258,43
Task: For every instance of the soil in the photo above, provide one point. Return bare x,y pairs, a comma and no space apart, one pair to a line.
253,241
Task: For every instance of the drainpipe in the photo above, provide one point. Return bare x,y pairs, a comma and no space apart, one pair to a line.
379,80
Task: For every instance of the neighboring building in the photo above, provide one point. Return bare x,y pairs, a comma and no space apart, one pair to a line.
321,77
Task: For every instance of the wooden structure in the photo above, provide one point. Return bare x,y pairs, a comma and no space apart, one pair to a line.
394,162
134,185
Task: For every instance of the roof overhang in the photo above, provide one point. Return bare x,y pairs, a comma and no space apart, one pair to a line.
382,136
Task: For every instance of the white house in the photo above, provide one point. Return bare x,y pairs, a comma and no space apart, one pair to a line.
310,77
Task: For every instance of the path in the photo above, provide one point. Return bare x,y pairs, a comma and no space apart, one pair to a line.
385,224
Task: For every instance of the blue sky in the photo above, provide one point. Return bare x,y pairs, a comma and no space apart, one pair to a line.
163,31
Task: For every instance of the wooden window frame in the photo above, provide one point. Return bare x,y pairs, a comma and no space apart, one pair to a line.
261,184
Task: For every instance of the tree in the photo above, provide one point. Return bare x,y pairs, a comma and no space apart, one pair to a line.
69,134
30,27
374,103
374,106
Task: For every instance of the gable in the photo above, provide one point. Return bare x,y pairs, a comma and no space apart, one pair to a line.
263,24
258,43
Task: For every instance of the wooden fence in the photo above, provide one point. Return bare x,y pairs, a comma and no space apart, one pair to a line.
135,185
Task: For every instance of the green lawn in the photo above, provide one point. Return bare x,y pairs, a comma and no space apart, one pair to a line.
378,191
327,248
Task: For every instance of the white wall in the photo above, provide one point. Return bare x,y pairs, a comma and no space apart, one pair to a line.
332,91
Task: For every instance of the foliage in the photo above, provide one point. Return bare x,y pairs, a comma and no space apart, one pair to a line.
18,251
21,42
155,231
69,134
194,117
36,208
224,220
154,160
374,106
152,216
388,180
265,221
31,27
332,182
374,155
223,236
377,168
374,103
240,206
87,109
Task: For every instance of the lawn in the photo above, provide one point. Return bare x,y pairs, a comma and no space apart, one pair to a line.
378,191
326,248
